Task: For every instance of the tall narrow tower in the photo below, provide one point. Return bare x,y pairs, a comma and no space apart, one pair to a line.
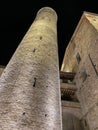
29,85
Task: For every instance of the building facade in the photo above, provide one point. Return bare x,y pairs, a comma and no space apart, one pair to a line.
81,58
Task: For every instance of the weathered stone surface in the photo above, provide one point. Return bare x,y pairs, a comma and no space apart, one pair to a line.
30,85
92,117
71,116
81,56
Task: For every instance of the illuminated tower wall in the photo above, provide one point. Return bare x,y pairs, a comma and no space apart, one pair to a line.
29,86
81,57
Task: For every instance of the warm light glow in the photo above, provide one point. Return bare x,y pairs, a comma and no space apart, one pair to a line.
62,68
67,70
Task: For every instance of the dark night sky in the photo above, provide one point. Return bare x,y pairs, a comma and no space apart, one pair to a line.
16,17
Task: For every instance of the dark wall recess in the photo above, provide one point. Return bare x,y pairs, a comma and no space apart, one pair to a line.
78,57
84,75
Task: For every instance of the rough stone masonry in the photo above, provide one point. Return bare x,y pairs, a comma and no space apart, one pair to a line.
30,85
81,57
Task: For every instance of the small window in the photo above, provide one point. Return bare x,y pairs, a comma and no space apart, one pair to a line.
78,57
84,75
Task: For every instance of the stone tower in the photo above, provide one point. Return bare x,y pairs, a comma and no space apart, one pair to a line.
30,85
81,57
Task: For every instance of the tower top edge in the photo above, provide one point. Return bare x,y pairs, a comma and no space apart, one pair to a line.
47,9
